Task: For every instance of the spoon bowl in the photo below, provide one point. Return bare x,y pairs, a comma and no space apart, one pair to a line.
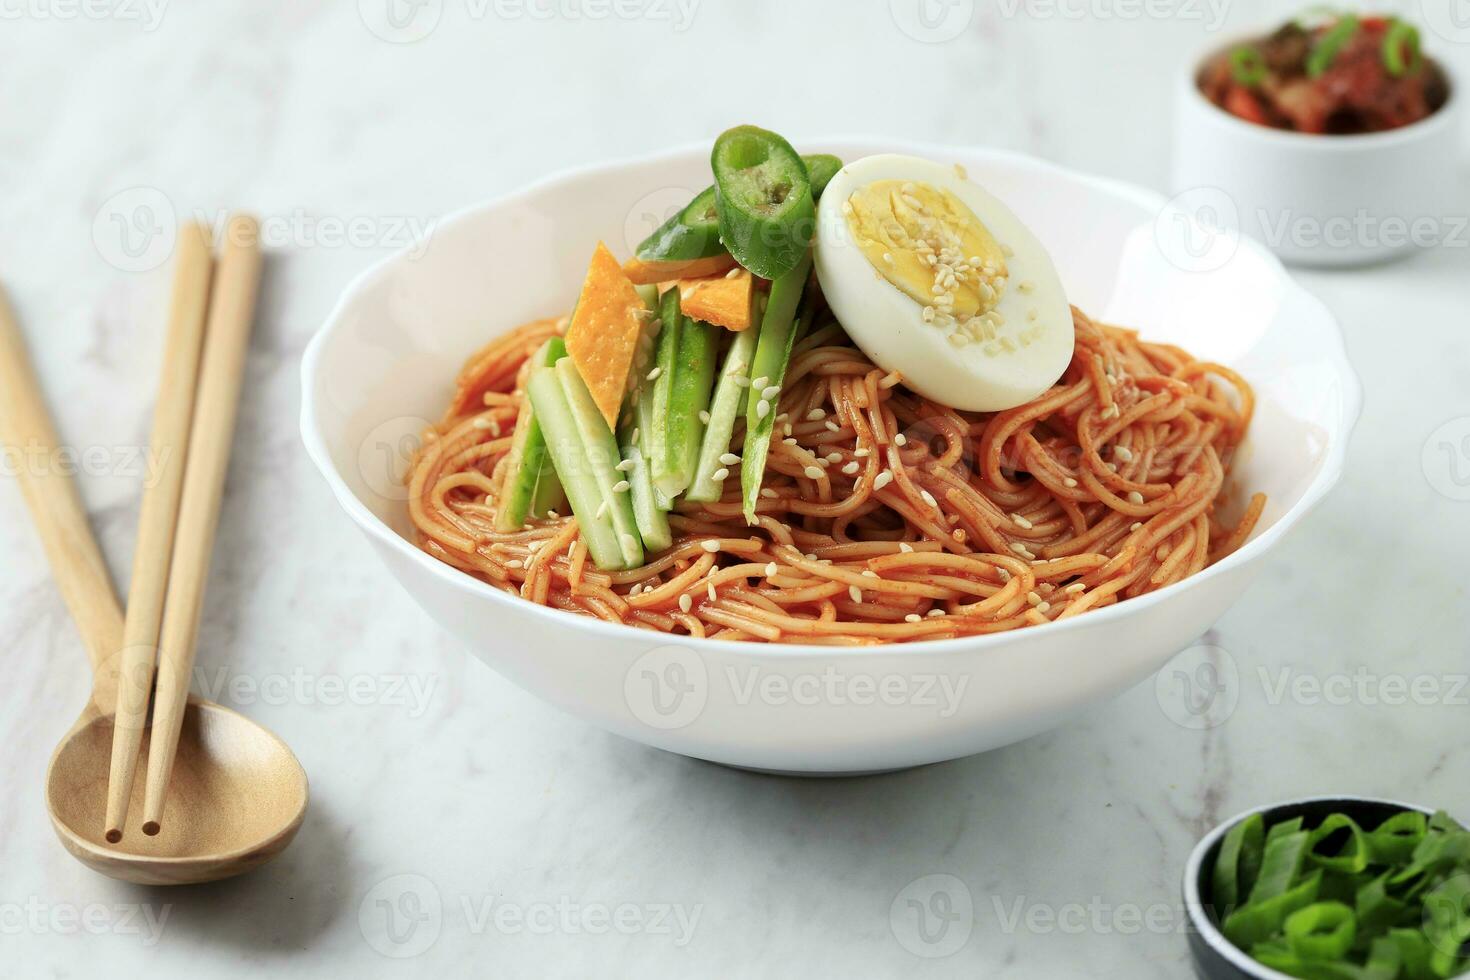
236,800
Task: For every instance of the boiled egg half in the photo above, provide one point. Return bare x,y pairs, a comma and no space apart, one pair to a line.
936,279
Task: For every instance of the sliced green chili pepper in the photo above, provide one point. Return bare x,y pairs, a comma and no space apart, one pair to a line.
1229,884
1281,865
1326,49
764,200
1248,65
1394,840
1401,48
1353,856
820,169
693,233
1260,920
1321,931
1377,910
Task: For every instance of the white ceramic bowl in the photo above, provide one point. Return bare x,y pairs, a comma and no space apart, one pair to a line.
384,363
1318,200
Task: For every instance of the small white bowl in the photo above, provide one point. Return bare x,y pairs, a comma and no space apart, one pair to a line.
1318,200
384,364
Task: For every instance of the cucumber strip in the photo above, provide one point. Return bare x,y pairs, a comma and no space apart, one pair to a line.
648,512
724,408
573,468
694,378
655,443
601,452
772,355
531,487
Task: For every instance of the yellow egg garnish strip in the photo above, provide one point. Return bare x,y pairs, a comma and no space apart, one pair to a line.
929,245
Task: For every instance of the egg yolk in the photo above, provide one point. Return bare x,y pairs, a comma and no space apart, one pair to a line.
929,245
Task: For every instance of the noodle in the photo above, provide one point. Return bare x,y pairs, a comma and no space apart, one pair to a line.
925,522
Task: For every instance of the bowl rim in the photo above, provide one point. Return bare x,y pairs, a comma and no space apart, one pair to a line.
1194,905
1327,477
1189,94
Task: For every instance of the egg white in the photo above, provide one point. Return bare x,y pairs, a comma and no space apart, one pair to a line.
889,326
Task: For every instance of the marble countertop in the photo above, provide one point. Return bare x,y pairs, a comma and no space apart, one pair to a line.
460,827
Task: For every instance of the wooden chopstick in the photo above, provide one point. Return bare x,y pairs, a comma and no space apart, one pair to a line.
172,417
51,494
226,343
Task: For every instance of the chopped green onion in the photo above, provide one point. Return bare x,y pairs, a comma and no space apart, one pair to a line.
1324,52
1401,48
1248,65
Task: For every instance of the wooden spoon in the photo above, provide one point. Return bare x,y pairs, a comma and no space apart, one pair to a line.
238,792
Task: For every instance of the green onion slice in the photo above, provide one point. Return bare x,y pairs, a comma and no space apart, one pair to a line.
1323,931
1401,54
1248,65
1324,53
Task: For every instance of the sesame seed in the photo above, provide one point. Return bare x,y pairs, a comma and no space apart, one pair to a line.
1005,574
816,415
813,472
1022,522
624,466
760,382
851,468
1069,482
601,511
741,381
1123,453
900,440
720,474
653,375
1021,550
515,563
770,392
771,570
711,545
729,459
1075,588
621,486
882,480
1044,607
552,515
768,493
709,589
704,416
1136,526
1134,497
855,593
928,498
905,547
833,426
1033,598
482,423
870,573
834,457
789,441
862,452
762,409
824,462
913,618
685,602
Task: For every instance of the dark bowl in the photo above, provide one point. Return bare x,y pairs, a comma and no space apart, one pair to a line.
1214,956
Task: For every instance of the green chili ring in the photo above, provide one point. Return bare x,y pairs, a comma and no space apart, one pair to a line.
764,199
692,233
1326,49
1401,39
1248,65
